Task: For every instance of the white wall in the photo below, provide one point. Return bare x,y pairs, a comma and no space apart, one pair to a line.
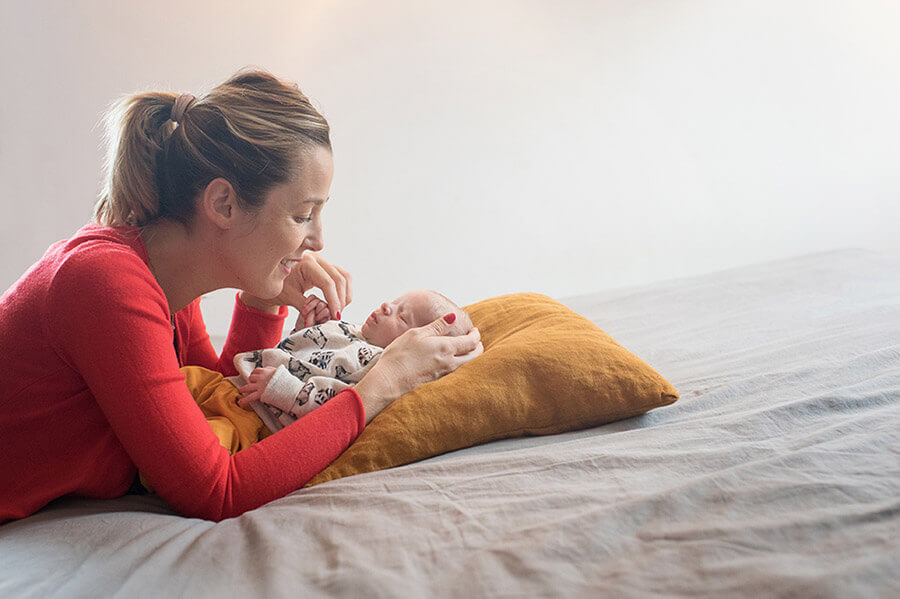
489,147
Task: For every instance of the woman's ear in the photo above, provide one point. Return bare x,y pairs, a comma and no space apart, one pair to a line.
218,203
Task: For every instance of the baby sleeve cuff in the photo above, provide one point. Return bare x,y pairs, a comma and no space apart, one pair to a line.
282,390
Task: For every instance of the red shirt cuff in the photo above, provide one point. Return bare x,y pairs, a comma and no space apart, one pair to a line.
281,315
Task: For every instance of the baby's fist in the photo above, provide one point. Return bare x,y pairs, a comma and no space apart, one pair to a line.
315,311
253,390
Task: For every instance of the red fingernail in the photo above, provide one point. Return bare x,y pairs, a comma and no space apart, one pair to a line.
450,318
338,315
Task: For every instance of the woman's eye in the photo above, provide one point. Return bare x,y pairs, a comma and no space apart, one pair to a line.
302,219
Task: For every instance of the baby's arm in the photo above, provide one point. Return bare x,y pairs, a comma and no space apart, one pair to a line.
278,388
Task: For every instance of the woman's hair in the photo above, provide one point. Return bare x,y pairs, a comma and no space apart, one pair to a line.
250,130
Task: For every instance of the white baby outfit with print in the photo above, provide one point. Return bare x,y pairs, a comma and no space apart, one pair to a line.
313,365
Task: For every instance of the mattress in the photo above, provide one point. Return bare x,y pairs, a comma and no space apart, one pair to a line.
777,473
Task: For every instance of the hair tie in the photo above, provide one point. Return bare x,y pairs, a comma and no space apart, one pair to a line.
181,106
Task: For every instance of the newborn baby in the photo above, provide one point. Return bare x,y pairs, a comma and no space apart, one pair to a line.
313,364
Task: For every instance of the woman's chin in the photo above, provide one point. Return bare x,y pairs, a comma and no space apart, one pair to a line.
270,291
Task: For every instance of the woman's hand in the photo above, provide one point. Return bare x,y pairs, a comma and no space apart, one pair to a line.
418,356
312,270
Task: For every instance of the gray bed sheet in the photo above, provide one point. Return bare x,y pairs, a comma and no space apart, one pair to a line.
777,473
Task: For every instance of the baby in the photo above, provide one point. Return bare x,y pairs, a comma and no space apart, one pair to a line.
313,364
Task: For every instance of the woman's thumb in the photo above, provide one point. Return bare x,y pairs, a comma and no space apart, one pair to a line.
442,324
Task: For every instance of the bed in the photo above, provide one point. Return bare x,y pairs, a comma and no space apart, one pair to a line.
777,473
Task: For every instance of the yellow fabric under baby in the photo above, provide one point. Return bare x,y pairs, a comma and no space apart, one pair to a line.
236,427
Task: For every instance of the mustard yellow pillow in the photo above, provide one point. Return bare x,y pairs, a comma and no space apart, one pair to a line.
544,370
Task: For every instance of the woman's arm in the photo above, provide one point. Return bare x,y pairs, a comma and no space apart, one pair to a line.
108,319
251,329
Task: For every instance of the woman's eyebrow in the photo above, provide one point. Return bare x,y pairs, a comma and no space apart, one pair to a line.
316,201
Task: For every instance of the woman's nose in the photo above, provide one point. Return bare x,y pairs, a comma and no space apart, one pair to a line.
314,244
315,241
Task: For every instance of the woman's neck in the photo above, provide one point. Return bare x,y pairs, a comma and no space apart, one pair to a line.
180,263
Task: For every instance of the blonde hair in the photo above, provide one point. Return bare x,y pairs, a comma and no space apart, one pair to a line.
250,130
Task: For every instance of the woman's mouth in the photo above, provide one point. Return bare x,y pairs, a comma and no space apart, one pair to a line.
286,265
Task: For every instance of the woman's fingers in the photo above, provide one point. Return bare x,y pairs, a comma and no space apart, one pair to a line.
459,360
339,279
466,344
348,285
319,277
438,327
461,344
448,353
334,282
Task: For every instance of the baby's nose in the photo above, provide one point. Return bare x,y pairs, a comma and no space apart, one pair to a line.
386,308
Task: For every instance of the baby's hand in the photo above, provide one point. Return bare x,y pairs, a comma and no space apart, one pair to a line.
314,311
259,378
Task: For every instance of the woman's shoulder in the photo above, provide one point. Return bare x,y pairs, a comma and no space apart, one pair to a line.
97,271
98,257
98,247
92,255
97,239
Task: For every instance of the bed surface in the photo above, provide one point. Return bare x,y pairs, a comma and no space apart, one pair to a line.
776,473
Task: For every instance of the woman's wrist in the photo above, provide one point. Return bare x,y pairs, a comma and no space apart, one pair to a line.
375,392
257,303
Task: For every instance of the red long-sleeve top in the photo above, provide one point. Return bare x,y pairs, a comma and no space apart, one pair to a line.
90,390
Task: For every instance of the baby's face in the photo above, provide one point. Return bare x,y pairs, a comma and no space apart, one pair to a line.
392,319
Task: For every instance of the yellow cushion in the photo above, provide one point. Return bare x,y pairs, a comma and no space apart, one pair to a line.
544,370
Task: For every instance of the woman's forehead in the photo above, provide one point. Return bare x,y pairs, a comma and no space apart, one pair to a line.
311,186
292,197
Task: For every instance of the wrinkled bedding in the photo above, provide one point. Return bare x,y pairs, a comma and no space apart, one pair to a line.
777,473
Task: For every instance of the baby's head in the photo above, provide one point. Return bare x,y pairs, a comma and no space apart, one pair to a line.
410,310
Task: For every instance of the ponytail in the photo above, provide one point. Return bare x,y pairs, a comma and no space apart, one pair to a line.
137,128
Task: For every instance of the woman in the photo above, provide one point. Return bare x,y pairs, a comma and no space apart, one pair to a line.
222,192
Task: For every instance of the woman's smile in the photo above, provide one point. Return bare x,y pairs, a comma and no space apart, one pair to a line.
287,264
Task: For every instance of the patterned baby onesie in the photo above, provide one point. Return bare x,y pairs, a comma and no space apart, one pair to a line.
312,366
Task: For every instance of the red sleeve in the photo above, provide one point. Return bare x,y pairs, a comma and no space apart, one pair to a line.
108,319
250,329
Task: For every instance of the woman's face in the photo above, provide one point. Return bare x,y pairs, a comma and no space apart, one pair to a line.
289,223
